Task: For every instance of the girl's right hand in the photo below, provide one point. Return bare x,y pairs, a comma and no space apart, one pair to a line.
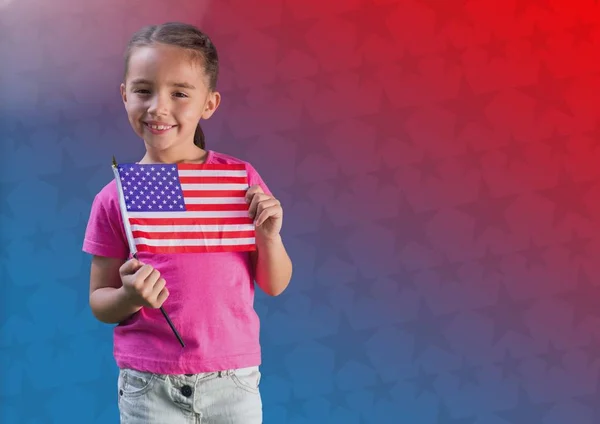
143,284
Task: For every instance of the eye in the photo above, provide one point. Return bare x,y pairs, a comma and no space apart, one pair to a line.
141,91
179,94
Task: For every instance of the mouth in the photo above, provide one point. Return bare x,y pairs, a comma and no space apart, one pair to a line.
158,128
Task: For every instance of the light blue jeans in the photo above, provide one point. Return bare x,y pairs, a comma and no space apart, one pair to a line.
230,396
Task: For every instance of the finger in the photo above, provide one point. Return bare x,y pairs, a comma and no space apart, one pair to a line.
144,272
153,278
271,212
264,204
252,190
162,296
141,275
148,290
158,287
259,197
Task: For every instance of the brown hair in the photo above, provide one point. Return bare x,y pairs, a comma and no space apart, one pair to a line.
185,36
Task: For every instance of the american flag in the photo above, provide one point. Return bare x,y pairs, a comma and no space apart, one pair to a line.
185,208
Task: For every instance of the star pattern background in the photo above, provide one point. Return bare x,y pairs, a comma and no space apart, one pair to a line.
437,162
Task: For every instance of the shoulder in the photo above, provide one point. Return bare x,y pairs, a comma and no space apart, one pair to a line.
107,198
222,158
253,175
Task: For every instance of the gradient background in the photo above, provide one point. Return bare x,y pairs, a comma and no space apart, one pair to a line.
438,163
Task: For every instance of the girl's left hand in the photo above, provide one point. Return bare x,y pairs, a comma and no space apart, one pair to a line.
266,212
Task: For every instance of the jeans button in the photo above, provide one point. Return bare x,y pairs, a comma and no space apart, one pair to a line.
186,391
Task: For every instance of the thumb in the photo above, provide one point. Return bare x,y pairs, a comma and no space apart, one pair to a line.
131,266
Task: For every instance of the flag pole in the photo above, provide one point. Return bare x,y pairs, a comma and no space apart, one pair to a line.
131,242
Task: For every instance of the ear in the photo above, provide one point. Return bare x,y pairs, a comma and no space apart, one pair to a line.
123,93
212,103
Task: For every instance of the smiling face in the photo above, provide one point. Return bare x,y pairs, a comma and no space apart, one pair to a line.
165,94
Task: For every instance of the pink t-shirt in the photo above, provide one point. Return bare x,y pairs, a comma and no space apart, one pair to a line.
211,299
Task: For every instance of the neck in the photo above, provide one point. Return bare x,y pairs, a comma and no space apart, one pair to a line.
192,155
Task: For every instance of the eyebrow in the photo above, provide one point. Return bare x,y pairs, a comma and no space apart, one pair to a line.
174,84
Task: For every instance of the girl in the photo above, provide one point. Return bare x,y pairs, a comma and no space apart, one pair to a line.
169,85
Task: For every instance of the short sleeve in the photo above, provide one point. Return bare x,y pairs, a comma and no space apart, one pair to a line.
254,178
104,234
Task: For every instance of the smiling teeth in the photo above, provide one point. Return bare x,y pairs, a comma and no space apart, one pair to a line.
159,127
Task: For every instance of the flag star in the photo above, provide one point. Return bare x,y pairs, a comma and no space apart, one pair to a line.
152,168
171,206
131,169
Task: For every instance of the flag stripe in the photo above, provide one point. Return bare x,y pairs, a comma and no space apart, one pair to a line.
212,173
197,249
193,214
214,193
205,207
189,221
199,179
237,188
194,242
192,228
211,167
214,200
193,235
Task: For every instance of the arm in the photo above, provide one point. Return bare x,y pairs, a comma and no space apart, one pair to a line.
108,299
272,265
118,289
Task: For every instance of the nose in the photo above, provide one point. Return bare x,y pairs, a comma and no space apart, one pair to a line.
159,105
